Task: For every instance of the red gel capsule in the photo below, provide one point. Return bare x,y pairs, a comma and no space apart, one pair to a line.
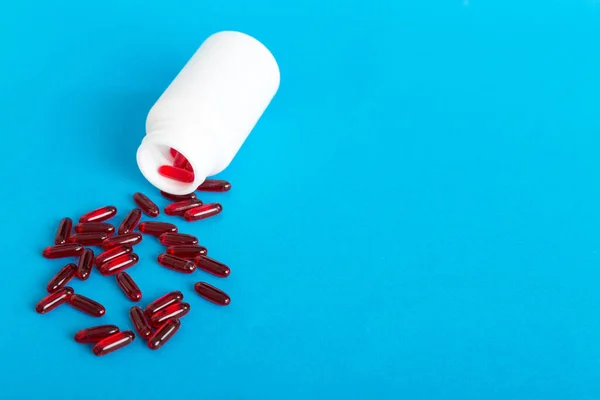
211,293
113,342
178,197
202,212
119,264
87,227
87,305
214,185
140,322
181,207
112,254
53,300
99,215
95,333
157,228
89,238
179,161
212,266
128,286
189,252
129,239
177,239
163,302
174,311
63,250
84,267
64,231
61,279
173,152
163,334
147,205
176,263
130,222
177,174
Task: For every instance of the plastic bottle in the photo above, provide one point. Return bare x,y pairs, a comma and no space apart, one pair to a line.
209,109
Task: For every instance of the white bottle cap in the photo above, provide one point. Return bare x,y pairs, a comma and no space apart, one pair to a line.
209,109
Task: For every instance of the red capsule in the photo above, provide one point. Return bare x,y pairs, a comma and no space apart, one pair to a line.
99,215
53,300
163,334
189,252
180,161
147,205
157,228
176,263
163,302
173,152
89,238
129,239
177,239
84,267
178,197
63,250
202,212
64,231
86,227
61,279
181,207
128,286
113,342
95,333
212,266
174,311
118,264
87,305
211,293
130,222
177,174
140,322
214,185
112,254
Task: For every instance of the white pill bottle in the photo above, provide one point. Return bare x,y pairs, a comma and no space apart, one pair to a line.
209,109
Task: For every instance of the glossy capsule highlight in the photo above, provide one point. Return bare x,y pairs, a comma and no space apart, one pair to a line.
95,334
212,293
214,185
174,311
140,322
202,212
64,231
163,302
212,266
130,222
128,286
177,239
189,252
112,343
147,206
99,215
89,238
178,197
53,300
84,267
177,174
87,305
180,207
129,239
113,253
163,334
176,263
87,227
118,264
63,250
61,279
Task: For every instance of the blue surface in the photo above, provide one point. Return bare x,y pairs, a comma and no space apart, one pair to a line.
416,216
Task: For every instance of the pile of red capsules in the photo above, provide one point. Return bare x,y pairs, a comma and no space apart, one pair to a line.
160,320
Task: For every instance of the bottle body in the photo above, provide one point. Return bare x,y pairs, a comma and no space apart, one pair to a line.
209,109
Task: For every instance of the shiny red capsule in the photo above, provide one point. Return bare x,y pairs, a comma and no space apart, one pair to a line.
177,239
178,197
173,152
176,263
112,254
63,277
157,228
118,264
128,286
174,311
87,305
64,231
180,207
53,300
189,252
95,333
129,239
211,293
146,205
163,302
99,215
177,174
212,266
140,322
113,342
87,227
89,238
84,267
214,185
163,334
130,222
202,212
63,250
179,161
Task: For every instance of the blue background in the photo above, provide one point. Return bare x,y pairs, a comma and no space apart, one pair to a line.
416,215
